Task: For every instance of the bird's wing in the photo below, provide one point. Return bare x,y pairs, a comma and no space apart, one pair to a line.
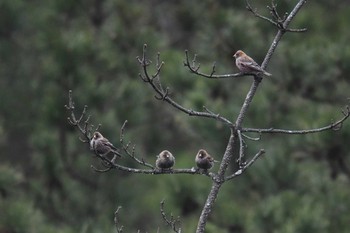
251,65
110,145
107,143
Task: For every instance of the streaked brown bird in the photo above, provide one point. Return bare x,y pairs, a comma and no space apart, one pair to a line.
204,160
165,160
102,146
246,64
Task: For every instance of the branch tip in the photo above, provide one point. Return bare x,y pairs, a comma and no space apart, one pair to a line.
171,222
116,221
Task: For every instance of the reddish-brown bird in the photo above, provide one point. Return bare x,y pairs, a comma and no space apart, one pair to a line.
246,64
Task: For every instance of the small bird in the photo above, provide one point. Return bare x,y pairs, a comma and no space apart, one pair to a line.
204,160
165,160
246,64
102,146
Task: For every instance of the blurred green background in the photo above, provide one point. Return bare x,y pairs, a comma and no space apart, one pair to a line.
48,47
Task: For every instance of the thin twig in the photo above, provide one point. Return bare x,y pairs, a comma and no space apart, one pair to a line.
131,153
256,14
172,222
100,170
277,21
79,122
251,138
118,228
241,170
122,129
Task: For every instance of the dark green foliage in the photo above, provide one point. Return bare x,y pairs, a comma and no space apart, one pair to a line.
48,47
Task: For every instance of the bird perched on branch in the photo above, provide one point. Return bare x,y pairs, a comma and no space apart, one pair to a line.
246,64
204,160
165,160
102,146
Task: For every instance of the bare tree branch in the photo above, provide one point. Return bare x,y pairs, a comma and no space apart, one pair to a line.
333,126
247,165
256,14
110,165
83,127
218,181
247,101
86,130
132,152
277,21
164,95
172,222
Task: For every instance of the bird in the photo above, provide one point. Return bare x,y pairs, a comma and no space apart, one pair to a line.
204,160
246,64
102,146
165,160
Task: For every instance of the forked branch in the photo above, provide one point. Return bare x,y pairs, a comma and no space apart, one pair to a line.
82,123
276,19
155,82
174,223
126,148
245,165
